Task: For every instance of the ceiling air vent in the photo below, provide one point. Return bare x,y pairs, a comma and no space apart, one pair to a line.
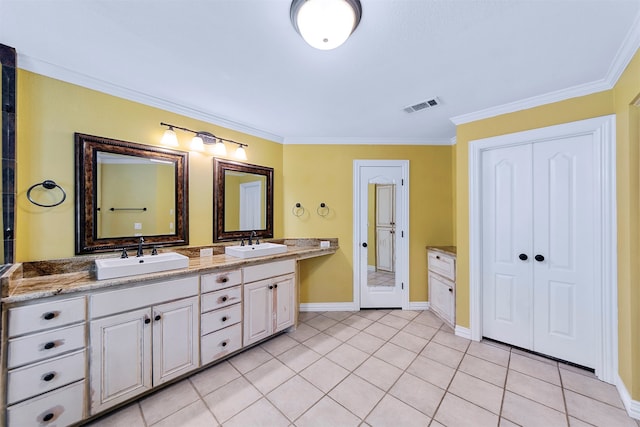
429,103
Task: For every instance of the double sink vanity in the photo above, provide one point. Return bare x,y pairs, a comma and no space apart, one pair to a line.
74,346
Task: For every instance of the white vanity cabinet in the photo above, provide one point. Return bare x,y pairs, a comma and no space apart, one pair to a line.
45,359
442,285
140,337
269,299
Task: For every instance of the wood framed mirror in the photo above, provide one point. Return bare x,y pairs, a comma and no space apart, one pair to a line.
125,191
242,200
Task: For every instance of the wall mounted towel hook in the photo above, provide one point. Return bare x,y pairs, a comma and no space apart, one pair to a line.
323,210
298,209
49,185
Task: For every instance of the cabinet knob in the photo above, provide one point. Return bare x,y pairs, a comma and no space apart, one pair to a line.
224,299
224,318
224,343
49,345
224,279
451,290
147,320
48,316
48,417
539,258
48,377
270,286
437,256
158,317
275,286
523,257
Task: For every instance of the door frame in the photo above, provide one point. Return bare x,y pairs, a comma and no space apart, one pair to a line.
602,130
402,225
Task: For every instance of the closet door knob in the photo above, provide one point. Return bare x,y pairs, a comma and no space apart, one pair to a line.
539,258
523,257
364,245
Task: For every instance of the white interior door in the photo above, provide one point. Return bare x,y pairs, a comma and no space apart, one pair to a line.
538,239
250,209
385,227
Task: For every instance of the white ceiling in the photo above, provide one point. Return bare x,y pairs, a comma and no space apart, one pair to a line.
240,64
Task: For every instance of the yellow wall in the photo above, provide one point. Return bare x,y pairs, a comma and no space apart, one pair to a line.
50,111
324,173
615,101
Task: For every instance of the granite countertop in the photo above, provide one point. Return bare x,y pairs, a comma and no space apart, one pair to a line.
449,250
18,286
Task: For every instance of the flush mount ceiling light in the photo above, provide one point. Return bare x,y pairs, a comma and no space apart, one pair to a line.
325,24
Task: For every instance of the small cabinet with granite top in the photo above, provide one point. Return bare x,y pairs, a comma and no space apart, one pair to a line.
442,284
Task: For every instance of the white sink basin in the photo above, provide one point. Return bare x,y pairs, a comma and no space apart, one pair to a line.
110,268
252,251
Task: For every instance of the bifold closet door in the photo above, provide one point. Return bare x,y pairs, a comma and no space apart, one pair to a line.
539,259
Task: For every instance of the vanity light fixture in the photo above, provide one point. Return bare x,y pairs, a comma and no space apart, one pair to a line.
201,139
325,24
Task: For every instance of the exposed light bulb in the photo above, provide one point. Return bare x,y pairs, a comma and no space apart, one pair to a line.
240,154
197,144
326,24
170,138
219,149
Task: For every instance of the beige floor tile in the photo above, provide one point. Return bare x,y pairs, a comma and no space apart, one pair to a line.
278,345
396,355
536,390
408,341
445,355
506,423
347,356
487,371
303,316
591,387
535,368
489,352
250,359
474,390
450,340
576,370
394,321
338,315
357,322
303,332
294,397
327,412
129,416
574,422
324,374
420,330
421,395
195,415
595,412
341,331
299,357
321,322
213,378
528,413
457,412
434,372
365,342
533,356
260,414
381,331
434,423
322,343
391,412
406,314
232,398
357,395
167,401
269,375
373,314
429,319
378,373
500,345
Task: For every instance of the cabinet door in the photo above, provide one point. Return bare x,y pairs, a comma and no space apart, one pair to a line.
442,298
258,314
284,303
175,339
120,358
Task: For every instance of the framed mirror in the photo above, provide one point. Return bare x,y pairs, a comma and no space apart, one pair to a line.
242,200
8,137
125,191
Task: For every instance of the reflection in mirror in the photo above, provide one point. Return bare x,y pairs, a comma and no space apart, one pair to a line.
8,137
381,235
243,200
126,190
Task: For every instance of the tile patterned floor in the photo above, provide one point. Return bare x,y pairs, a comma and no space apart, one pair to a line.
380,368
381,278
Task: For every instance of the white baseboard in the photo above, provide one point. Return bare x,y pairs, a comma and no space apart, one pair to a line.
632,406
418,305
463,332
329,306
371,268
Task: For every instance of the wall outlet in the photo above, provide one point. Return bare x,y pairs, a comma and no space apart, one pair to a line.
325,243
206,252
137,226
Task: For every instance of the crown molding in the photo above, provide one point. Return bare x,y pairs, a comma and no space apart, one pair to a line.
363,140
454,140
625,53
47,69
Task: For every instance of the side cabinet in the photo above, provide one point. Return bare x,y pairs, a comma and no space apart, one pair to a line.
442,285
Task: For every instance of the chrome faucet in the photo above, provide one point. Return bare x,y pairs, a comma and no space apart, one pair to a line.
140,242
251,236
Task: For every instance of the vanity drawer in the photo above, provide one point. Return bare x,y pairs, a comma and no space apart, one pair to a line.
58,408
53,314
272,269
219,344
442,264
39,378
31,348
216,281
218,319
219,299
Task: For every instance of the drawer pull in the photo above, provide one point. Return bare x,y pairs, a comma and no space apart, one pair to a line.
49,345
49,315
224,343
224,279
147,320
224,298
48,417
158,317
48,377
224,319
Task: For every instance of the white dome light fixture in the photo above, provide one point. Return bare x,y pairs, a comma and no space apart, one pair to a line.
325,24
